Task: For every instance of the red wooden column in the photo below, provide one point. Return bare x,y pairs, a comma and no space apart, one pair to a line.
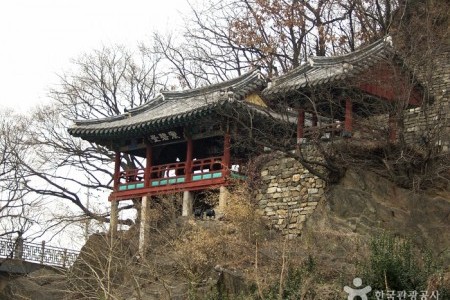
392,128
348,122
226,154
300,125
188,166
148,165
117,170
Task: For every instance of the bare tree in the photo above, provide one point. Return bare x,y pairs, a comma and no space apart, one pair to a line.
224,39
105,82
101,84
18,212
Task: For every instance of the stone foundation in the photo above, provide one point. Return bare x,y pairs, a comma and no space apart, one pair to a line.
288,195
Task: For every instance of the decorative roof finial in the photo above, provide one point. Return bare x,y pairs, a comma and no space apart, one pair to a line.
230,94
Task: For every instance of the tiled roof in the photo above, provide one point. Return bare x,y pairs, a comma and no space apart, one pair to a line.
325,70
172,108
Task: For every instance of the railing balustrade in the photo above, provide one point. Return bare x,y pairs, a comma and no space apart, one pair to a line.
173,173
323,130
168,170
207,164
134,175
38,253
362,130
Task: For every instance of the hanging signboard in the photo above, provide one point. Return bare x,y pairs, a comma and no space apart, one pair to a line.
166,136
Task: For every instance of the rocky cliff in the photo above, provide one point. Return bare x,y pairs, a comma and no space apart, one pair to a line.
191,259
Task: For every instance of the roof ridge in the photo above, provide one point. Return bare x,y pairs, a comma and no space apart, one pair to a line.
319,70
214,87
381,44
169,106
239,86
100,120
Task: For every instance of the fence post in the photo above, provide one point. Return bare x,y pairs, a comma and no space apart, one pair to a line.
64,258
42,252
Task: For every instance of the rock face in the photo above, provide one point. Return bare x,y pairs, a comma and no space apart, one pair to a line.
363,204
44,284
366,200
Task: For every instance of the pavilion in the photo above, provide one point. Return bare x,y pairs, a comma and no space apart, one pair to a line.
180,141
370,81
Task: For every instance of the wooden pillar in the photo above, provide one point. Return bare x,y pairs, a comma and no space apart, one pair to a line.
348,122
223,198
113,219
189,153
188,204
148,165
117,170
223,194
392,128
227,154
144,226
300,125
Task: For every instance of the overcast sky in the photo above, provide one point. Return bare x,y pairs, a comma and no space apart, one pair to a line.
39,37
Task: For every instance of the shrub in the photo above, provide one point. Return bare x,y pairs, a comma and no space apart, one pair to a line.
395,264
294,286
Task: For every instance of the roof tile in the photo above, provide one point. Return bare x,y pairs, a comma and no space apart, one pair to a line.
171,107
321,70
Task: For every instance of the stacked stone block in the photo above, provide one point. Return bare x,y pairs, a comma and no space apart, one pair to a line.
430,127
431,124
288,195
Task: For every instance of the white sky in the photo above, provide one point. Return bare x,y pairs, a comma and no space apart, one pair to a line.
39,37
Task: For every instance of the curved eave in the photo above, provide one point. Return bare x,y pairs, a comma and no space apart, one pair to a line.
151,126
239,86
134,120
327,70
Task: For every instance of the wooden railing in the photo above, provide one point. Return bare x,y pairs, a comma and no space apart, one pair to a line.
207,164
38,253
173,173
323,130
361,131
168,170
133,175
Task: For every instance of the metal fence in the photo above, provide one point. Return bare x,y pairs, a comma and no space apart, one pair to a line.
38,253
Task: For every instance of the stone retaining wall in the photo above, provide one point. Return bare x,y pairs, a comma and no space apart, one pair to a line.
432,125
288,195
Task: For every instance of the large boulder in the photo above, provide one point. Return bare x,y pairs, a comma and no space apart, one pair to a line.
43,284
